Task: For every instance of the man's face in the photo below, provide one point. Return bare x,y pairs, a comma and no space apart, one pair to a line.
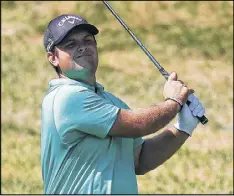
78,52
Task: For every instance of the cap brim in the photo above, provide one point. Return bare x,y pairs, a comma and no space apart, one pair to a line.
88,27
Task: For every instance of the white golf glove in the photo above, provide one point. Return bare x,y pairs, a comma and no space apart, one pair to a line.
187,120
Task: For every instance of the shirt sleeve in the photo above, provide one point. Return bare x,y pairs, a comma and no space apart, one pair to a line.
82,111
137,141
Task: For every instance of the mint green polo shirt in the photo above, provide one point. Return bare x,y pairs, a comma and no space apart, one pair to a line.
77,154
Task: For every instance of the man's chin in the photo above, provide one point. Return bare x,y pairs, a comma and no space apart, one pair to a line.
84,63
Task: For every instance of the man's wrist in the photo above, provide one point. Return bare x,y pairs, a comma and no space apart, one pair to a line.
176,132
176,100
174,104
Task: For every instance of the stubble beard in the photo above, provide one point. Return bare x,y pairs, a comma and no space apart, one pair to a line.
87,62
86,68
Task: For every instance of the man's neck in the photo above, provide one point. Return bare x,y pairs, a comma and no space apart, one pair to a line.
90,81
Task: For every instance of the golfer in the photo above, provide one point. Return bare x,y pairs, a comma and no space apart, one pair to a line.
91,141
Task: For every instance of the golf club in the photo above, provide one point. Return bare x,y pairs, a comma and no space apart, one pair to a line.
202,119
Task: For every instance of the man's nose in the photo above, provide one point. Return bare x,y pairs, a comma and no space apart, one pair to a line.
82,49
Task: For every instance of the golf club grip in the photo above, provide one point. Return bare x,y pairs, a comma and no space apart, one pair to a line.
203,120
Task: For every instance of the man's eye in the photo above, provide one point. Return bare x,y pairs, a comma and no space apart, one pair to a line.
70,45
88,40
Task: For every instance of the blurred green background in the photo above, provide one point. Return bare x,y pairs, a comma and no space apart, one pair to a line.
195,39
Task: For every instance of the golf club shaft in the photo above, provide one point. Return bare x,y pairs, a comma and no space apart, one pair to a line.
160,68
202,119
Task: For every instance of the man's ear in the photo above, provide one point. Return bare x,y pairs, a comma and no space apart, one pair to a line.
53,59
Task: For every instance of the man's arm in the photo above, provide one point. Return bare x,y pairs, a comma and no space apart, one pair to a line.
160,148
145,121
155,151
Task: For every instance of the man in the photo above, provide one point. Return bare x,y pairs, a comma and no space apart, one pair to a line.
91,142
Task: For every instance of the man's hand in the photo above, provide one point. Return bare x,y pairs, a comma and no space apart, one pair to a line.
187,120
176,89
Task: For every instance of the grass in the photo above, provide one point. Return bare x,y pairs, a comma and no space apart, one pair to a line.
195,39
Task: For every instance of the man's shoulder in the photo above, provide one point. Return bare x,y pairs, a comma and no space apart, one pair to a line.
72,88
66,91
69,88
70,93
117,100
67,85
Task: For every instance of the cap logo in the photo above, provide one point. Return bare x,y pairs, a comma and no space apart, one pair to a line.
72,22
70,19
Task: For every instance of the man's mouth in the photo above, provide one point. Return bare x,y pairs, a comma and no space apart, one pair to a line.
83,55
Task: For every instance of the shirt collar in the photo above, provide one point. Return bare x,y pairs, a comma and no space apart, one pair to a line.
63,81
